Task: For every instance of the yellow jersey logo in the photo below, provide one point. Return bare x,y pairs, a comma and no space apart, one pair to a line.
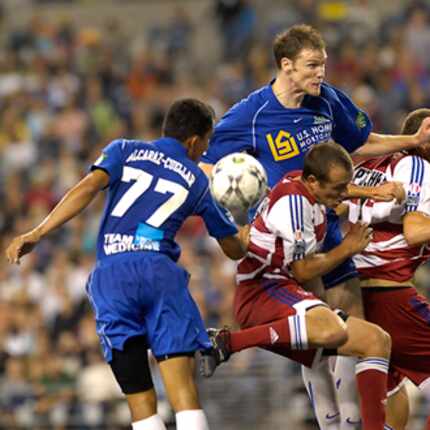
283,146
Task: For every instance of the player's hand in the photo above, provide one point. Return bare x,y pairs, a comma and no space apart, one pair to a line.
389,191
21,246
357,238
423,134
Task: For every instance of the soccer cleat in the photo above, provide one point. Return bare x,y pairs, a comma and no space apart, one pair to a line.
219,353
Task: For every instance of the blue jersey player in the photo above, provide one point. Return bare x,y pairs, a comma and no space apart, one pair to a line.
281,121
138,292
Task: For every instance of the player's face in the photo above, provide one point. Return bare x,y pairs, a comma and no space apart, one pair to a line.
332,192
308,70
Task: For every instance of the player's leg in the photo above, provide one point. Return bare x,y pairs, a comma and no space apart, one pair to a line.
398,409
346,296
373,346
343,292
131,369
178,378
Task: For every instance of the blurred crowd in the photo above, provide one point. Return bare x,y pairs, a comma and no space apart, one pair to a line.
68,90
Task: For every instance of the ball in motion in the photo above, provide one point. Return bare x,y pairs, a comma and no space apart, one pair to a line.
238,182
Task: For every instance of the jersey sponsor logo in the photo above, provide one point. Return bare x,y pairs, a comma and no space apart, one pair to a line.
368,177
283,146
118,243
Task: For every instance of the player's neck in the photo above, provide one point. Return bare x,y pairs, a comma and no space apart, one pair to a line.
286,93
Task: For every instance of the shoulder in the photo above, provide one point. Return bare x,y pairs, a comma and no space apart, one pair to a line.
331,93
247,107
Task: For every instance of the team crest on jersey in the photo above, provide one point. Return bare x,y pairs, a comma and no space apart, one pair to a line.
361,120
299,245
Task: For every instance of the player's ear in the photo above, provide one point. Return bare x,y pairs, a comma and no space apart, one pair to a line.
286,65
312,182
192,144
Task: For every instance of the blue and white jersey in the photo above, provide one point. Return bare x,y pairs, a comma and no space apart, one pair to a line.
280,137
153,188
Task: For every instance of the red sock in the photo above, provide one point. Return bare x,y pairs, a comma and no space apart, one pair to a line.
371,374
276,333
428,423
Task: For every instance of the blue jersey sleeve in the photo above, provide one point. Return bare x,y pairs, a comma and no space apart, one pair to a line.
352,126
111,160
233,133
218,221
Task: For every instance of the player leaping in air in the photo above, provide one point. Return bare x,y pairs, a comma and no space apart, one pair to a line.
138,292
278,124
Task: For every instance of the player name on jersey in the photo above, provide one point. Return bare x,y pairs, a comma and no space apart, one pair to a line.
160,158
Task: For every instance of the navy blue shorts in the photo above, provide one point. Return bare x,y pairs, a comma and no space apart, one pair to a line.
333,238
145,294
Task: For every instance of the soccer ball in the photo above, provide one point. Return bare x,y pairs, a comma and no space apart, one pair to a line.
238,182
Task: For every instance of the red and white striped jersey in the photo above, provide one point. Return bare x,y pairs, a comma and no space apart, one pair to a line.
290,224
388,256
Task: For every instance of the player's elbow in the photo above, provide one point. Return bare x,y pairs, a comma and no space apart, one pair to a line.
233,247
412,238
300,272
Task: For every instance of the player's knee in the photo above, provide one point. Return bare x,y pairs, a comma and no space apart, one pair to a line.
334,336
378,342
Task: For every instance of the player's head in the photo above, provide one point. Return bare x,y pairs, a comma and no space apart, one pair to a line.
410,126
191,122
300,54
327,171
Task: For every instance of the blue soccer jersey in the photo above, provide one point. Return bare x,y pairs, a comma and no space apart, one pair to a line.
136,288
280,137
153,188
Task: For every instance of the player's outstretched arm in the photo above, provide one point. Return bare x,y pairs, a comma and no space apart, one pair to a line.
382,193
74,201
383,144
416,228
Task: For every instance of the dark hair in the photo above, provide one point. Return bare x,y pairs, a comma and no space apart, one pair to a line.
322,157
186,118
413,121
288,44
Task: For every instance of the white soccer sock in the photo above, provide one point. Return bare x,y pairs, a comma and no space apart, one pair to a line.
152,423
347,393
191,420
319,385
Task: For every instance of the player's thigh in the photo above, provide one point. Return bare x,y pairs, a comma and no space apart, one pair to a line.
397,412
365,340
178,378
325,328
347,297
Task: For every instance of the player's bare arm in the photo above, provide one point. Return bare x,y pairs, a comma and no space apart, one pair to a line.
235,246
382,144
381,193
319,264
73,202
416,228
207,168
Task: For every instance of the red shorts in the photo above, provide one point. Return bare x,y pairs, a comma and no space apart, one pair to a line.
405,315
274,300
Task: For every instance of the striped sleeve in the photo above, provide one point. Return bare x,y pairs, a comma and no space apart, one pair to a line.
290,218
414,173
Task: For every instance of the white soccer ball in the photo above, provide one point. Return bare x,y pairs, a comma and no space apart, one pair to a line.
238,182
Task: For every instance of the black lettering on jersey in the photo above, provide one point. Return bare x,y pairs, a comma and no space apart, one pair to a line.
368,178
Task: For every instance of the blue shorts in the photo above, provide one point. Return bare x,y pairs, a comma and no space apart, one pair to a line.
333,238
145,294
